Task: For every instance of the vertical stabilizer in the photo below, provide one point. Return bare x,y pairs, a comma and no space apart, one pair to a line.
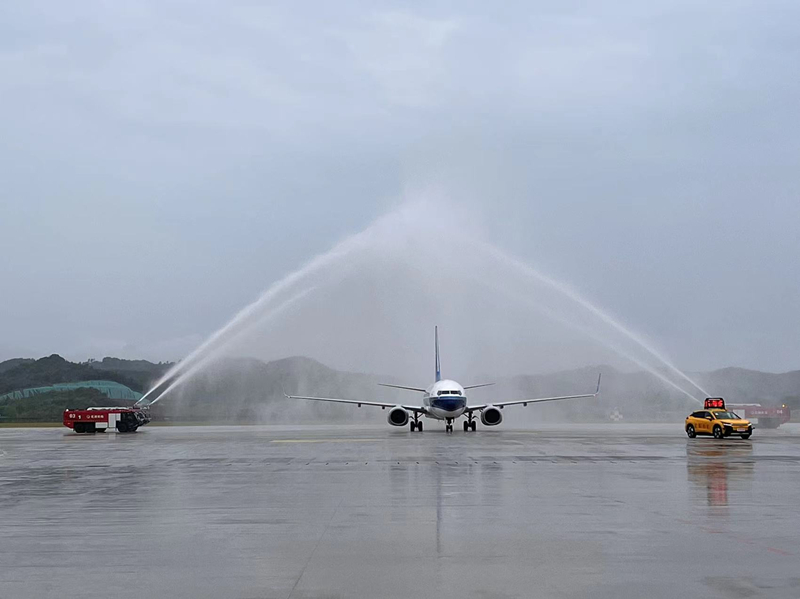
438,364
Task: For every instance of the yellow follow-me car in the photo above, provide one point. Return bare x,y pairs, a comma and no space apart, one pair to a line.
716,420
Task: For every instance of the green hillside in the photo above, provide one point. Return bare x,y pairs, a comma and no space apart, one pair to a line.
39,390
50,406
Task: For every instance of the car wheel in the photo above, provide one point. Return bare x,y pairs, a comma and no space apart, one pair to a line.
690,431
718,434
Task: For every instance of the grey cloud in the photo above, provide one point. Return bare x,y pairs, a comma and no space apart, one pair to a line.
163,161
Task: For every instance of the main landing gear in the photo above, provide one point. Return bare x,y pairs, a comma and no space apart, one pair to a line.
469,425
416,424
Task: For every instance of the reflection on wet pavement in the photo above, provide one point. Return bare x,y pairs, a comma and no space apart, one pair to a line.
605,511
714,465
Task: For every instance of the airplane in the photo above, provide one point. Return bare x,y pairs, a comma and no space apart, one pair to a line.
445,400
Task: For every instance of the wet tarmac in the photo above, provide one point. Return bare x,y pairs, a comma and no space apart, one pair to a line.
348,512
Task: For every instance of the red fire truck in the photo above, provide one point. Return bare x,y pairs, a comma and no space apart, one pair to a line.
768,416
97,420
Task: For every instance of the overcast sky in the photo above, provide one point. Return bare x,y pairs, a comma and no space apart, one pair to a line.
161,163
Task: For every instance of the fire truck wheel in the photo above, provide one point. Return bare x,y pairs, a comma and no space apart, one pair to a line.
78,428
122,427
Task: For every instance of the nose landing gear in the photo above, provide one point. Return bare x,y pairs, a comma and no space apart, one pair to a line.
448,428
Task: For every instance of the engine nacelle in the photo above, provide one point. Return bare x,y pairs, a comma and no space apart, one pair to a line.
491,416
398,416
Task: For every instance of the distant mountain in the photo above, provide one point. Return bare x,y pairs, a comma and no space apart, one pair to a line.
748,386
14,362
21,374
49,406
137,366
250,390
253,390
24,374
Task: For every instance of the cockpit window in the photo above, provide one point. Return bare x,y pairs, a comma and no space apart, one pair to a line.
449,392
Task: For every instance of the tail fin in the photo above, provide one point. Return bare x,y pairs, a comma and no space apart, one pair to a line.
438,364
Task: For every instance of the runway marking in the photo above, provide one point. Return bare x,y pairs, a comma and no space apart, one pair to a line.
321,440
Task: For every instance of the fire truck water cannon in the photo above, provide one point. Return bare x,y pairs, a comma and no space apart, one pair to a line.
98,420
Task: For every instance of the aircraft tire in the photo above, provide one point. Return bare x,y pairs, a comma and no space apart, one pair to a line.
413,426
419,426
466,426
473,425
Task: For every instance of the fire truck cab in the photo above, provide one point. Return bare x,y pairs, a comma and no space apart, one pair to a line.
98,420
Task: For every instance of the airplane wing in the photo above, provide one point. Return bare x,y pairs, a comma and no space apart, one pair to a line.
402,387
525,402
358,402
477,386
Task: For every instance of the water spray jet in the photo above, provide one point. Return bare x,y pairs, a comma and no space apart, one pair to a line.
402,229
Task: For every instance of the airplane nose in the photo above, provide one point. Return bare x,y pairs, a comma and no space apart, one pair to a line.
450,404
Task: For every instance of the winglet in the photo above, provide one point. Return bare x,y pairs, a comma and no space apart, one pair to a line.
597,392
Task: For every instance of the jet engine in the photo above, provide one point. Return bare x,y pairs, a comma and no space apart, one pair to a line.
397,416
491,416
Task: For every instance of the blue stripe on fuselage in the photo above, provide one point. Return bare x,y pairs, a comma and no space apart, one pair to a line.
450,404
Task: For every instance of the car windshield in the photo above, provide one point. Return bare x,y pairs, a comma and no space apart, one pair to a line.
726,415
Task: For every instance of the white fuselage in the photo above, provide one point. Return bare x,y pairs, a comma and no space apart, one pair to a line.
444,399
